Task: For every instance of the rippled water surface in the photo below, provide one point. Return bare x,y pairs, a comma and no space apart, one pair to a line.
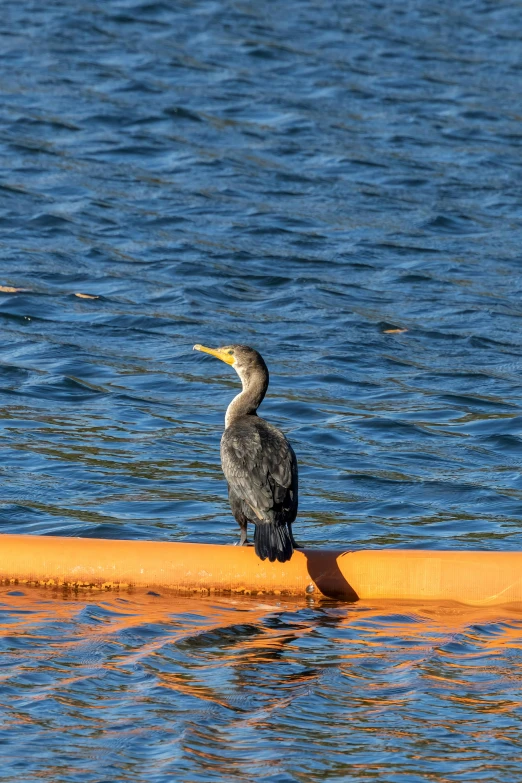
337,185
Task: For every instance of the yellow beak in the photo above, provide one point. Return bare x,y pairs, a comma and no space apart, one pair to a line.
217,352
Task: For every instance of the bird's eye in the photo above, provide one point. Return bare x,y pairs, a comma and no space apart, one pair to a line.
231,353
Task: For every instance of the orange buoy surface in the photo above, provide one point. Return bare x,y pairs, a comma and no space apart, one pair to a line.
475,578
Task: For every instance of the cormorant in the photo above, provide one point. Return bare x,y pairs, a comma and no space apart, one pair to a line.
258,462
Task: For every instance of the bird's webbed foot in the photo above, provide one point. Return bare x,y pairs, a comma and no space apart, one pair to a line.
243,540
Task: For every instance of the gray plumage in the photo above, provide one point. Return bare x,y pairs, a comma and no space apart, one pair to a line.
261,471
258,462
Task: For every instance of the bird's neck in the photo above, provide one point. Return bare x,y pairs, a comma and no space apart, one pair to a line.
248,401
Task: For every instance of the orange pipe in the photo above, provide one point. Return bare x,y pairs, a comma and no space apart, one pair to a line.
476,578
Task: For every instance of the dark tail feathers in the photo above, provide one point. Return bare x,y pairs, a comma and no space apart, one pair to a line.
273,542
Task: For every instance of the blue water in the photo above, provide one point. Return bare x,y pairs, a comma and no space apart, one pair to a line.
338,186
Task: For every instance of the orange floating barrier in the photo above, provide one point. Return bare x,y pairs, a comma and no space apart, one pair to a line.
474,578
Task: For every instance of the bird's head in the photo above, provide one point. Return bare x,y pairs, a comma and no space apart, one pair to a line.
246,361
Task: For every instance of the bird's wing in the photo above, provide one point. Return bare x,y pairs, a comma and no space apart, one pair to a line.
259,465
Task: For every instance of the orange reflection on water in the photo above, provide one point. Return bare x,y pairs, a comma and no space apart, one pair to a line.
125,610
183,640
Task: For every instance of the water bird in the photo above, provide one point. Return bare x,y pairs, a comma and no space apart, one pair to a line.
258,462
